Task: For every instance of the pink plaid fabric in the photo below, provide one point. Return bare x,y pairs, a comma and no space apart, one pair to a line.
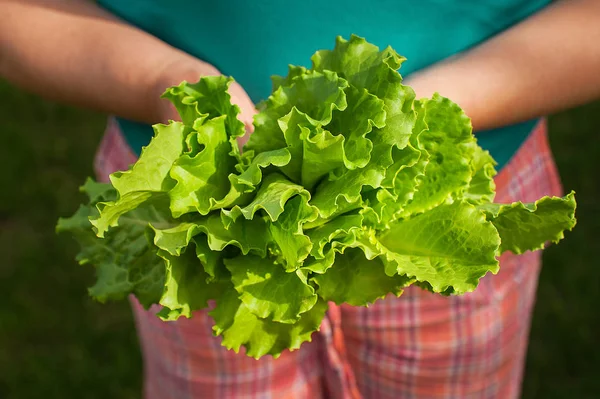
417,346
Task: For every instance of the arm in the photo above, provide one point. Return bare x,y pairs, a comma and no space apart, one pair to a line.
547,63
73,51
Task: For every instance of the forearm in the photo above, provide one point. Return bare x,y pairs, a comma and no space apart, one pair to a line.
548,63
74,52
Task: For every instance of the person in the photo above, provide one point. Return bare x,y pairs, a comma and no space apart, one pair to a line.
506,63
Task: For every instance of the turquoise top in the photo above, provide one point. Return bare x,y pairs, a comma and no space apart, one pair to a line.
253,40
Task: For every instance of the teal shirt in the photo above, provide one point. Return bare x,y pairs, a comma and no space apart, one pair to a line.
253,40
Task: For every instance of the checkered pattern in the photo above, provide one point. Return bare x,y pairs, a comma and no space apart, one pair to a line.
417,346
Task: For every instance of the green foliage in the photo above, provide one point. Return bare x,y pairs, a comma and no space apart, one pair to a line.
348,190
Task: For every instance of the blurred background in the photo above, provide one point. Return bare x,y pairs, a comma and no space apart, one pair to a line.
55,342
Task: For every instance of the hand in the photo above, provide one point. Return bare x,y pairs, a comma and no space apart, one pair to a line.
191,70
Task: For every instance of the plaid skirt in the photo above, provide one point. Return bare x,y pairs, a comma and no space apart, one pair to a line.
419,345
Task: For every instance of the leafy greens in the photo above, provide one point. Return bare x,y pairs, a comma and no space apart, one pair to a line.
348,190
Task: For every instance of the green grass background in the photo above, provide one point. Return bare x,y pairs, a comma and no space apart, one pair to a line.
55,342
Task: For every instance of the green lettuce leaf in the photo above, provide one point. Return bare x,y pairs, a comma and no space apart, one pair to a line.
528,227
315,151
111,212
244,184
275,191
125,261
313,93
247,235
148,179
482,188
206,98
204,176
330,239
364,112
212,261
449,141
365,67
293,245
449,246
240,327
355,280
268,291
187,286
151,171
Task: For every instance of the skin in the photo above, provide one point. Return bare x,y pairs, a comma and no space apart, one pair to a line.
547,63
125,80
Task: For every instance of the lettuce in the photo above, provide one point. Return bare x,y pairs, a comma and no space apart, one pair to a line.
349,190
